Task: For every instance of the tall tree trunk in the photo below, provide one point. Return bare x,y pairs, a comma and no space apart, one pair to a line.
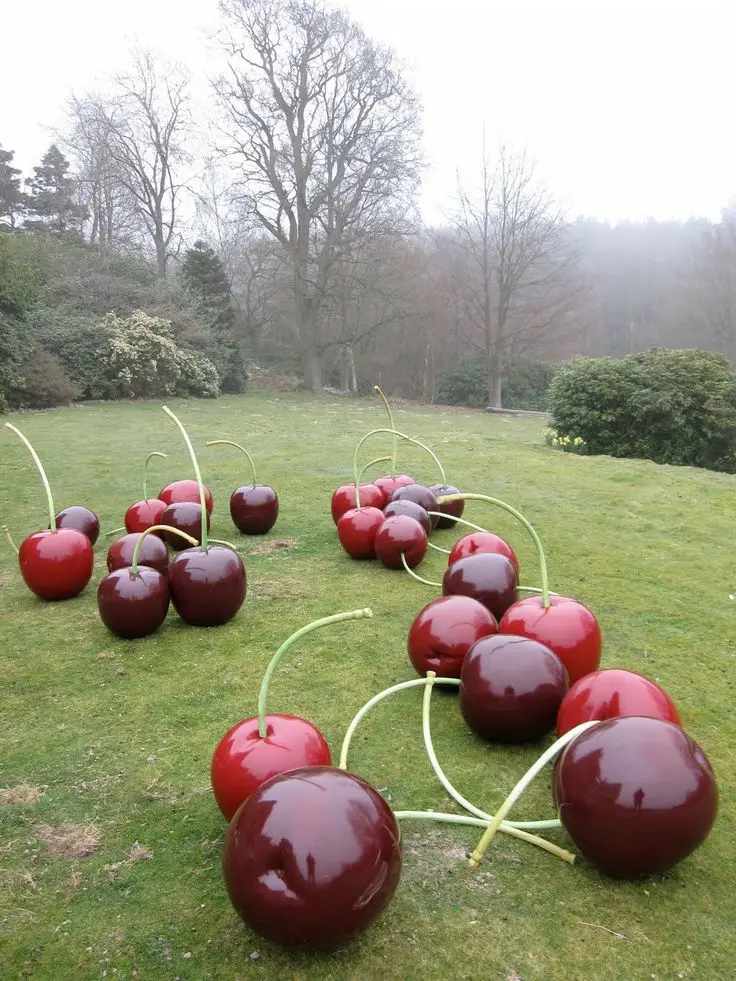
312,366
495,379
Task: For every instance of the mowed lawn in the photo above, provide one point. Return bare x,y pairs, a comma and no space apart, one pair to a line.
111,741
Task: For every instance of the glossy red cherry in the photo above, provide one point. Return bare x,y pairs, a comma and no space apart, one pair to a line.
487,577
56,565
143,515
181,491
397,535
207,588
81,519
388,484
133,605
420,495
254,509
187,517
511,689
443,633
312,858
636,795
482,541
565,626
243,760
343,499
153,553
357,530
411,509
613,692
453,509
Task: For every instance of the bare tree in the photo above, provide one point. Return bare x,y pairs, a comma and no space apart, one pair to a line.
325,133
709,303
518,279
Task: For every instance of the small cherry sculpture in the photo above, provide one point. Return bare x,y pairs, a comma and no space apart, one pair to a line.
444,631
80,518
254,507
152,553
148,511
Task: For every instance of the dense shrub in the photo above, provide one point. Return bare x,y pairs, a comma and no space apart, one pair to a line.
525,385
670,406
42,383
82,344
465,383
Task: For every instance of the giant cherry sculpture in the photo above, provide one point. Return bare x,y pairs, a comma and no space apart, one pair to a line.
149,510
254,507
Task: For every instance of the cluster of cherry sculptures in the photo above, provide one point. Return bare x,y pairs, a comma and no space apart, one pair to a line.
313,852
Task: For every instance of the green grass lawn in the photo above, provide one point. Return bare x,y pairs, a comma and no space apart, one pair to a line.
117,736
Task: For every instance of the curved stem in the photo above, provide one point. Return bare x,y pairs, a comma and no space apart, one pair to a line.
547,755
460,521
315,625
44,478
10,539
193,457
390,414
534,589
379,459
409,439
548,846
440,774
139,543
438,548
519,517
164,456
115,531
229,442
221,541
427,582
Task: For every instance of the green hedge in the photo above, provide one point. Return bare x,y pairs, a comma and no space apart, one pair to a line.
525,385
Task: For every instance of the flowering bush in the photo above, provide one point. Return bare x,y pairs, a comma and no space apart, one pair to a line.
564,442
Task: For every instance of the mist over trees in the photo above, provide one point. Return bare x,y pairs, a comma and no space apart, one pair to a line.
279,223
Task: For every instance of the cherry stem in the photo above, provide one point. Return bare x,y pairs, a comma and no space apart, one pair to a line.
379,459
519,517
193,456
44,478
229,442
547,755
10,539
548,846
221,541
534,589
139,543
383,398
438,548
460,521
427,582
395,432
115,531
164,456
440,774
315,625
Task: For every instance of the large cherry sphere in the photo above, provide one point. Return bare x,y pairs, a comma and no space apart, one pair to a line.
565,626
254,509
443,633
143,515
357,529
133,605
487,577
181,491
186,516
453,509
244,760
312,858
511,689
207,587
81,519
343,499
397,536
613,692
636,795
153,553
420,495
56,565
389,483
411,509
482,541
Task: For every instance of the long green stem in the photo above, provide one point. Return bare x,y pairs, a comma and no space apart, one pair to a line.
44,478
390,424
10,539
547,755
548,846
427,582
378,459
315,625
193,457
460,521
438,548
164,456
221,541
139,543
229,442
519,517
409,439
115,531
440,774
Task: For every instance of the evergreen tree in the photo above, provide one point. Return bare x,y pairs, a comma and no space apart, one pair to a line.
52,194
206,280
12,199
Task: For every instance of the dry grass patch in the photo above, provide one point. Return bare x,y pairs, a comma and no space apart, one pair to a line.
69,840
22,793
278,545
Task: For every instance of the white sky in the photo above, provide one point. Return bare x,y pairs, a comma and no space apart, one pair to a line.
628,106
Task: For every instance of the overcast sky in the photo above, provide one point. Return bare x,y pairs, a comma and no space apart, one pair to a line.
628,106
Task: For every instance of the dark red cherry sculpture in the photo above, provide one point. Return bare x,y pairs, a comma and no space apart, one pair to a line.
312,858
401,535
511,689
207,587
133,604
443,633
185,491
418,494
56,565
254,509
343,499
81,519
453,509
487,577
357,530
566,626
388,484
613,692
153,553
636,795
482,541
144,514
411,509
186,516
243,760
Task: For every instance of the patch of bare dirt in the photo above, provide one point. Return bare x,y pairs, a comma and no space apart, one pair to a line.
278,545
69,840
22,793
268,589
